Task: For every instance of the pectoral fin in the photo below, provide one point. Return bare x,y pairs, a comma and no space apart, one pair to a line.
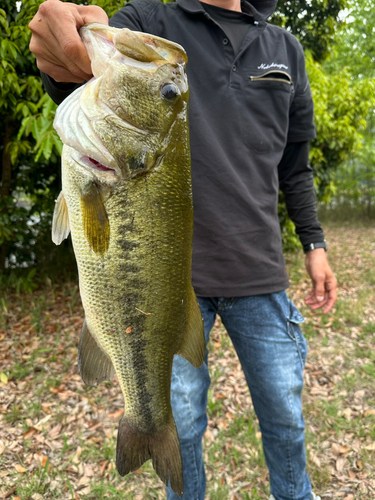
95,220
193,347
60,222
94,364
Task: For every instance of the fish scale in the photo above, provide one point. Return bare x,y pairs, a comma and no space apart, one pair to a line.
127,201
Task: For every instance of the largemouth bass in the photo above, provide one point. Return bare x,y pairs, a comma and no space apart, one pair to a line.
127,201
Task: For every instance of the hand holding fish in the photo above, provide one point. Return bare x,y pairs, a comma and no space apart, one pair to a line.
55,41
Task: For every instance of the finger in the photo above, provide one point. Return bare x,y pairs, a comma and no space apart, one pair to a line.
329,305
319,289
50,64
318,305
60,74
332,297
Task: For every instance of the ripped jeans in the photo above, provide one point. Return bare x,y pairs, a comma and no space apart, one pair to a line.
265,332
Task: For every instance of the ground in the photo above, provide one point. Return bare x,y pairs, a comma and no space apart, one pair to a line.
57,437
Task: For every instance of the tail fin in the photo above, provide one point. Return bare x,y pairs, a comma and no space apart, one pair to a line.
135,448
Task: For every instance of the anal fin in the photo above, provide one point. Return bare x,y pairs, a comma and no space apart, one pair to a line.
60,222
193,346
94,364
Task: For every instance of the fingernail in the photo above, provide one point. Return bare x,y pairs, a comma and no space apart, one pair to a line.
320,298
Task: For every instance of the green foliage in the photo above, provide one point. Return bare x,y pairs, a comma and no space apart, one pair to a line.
354,54
312,21
29,148
341,109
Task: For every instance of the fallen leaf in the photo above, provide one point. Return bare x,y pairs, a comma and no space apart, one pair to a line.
315,459
29,433
344,449
20,469
103,467
116,414
129,329
43,421
10,492
370,447
2,447
347,413
77,454
83,481
3,378
340,464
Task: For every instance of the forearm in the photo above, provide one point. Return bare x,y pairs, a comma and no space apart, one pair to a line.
297,183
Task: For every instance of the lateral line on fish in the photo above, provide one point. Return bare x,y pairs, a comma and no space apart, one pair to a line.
140,310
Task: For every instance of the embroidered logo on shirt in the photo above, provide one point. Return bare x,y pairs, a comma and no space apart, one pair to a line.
272,65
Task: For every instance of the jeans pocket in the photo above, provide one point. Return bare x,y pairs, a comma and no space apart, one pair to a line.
294,319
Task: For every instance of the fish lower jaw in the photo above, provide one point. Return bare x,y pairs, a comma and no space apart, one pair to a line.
99,168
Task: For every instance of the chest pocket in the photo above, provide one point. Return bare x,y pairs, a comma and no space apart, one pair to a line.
265,110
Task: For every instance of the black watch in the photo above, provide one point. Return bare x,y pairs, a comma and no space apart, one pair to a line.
313,246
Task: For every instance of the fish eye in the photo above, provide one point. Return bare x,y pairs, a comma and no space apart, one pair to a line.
170,92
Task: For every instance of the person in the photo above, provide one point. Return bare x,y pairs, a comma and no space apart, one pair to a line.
251,120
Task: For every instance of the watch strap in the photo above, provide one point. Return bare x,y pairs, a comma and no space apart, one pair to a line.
313,246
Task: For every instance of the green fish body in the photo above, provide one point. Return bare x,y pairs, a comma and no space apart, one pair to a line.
127,201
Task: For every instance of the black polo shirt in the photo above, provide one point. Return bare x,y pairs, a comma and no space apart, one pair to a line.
244,109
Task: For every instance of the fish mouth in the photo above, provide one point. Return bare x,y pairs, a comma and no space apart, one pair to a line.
104,42
103,171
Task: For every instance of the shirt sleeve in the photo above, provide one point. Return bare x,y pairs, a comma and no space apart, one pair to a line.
127,17
297,183
301,114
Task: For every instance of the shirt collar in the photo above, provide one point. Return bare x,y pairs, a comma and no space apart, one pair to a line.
260,9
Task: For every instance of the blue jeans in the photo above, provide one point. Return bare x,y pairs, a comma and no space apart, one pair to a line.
272,350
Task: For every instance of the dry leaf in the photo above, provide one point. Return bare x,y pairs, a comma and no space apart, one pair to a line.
370,411
116,414
315,459
29,433
129,329
3,378
370,447
55,431
20,469
103,467
335,448
43,421
77,455
2,447
340,464
83,481
347,413
344,449
44,460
